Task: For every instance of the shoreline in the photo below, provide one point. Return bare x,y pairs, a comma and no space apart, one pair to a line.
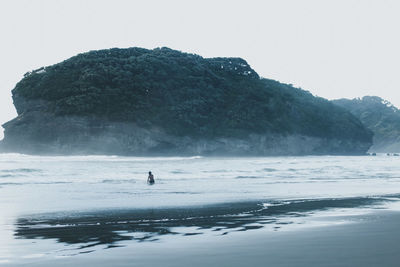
368,240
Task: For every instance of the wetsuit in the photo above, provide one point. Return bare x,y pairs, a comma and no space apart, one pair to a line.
150,180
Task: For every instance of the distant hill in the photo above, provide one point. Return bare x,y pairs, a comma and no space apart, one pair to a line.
381,117
136,101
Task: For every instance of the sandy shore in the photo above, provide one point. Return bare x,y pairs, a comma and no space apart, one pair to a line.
369,240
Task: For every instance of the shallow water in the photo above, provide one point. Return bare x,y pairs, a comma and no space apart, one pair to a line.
64,206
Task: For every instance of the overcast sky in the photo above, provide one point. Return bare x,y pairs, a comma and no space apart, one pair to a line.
333,49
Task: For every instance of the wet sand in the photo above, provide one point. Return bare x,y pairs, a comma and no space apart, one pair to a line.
368,240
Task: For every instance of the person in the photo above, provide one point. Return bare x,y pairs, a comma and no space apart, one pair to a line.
150,179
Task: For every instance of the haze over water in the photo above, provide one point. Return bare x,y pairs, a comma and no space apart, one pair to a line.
63,206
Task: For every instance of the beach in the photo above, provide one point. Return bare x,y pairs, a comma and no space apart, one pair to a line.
361,240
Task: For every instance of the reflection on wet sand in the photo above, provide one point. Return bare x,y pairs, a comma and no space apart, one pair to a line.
111,227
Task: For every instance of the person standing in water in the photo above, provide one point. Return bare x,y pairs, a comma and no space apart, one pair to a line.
150,179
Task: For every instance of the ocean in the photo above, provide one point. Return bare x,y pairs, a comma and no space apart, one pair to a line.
74,207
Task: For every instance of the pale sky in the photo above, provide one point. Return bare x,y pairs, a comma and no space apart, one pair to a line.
334,49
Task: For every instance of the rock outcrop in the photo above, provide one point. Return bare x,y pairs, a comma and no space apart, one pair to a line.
163,102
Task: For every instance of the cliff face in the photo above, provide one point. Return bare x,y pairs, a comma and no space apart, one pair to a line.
144,102
44,133
381,117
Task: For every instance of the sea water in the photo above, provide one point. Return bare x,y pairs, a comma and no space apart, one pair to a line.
64,205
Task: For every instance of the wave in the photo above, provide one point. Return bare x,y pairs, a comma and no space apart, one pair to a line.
17,157
12,155
3,184
21,170
179,172
216,171
186,193
34,183
248,177
126,158
269,170
118,181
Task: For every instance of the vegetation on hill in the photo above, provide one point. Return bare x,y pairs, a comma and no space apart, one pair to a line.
378,115
184,94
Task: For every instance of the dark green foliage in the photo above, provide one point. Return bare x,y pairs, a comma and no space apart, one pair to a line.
377,114
184,94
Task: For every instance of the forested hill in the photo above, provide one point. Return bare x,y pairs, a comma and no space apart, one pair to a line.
167,95
381,117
